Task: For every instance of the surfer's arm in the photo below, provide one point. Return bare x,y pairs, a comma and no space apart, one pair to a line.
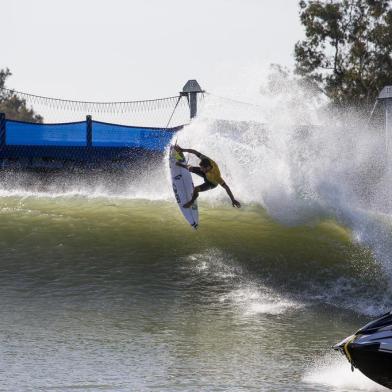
233,200
194,152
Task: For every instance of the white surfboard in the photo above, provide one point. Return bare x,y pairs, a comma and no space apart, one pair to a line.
183,187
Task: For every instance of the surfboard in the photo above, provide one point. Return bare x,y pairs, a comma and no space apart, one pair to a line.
183,187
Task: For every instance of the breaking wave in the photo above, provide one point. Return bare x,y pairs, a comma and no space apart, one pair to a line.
316,223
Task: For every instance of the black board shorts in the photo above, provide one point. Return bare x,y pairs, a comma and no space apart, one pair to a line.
207,185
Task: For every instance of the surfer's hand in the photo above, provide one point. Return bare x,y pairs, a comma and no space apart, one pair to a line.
236,203
178,148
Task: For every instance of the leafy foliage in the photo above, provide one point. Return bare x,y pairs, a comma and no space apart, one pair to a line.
347,52
14,107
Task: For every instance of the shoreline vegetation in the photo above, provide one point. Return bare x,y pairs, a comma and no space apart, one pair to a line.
14,107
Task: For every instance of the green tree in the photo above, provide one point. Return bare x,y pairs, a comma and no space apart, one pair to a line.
14,107
347,52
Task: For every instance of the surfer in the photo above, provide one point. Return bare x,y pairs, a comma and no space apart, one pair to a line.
209,170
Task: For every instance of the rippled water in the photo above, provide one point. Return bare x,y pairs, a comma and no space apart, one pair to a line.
120,295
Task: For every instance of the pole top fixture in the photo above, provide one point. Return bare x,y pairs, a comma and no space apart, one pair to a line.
191,86
386,93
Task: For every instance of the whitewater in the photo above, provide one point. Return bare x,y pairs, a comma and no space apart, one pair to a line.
104,286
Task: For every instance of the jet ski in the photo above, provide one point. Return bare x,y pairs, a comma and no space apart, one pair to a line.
370,350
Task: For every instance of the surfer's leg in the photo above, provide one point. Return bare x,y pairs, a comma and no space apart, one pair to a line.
206,186
197,170
200,188
195,195
181,165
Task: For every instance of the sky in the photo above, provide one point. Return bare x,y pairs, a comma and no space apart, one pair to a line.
103,50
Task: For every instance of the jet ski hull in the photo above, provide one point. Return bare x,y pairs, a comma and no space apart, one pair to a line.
370,350
373,363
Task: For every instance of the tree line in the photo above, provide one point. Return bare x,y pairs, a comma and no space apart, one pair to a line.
14,107
347,50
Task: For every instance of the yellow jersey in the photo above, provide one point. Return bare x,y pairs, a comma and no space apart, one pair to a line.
213,175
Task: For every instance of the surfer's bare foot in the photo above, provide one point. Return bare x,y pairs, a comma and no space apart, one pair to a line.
187,205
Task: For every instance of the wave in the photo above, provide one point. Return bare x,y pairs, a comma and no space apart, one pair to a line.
301,174
265,267
316,221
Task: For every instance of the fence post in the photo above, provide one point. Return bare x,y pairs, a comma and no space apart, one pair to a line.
89,131
385,97
2,130
190,90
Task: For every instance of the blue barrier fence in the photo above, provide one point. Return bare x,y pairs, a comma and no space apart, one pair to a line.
28,134
81,141
77,134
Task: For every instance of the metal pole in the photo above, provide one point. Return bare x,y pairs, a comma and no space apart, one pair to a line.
89,131
388,122
385,98
190,90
